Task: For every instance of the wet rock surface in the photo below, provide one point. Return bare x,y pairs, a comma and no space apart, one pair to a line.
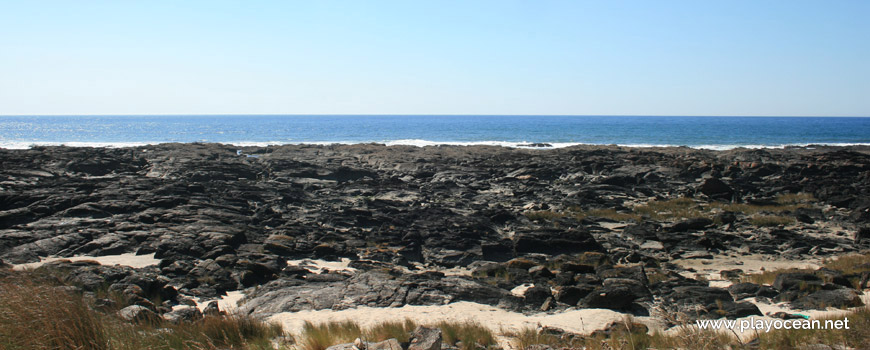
219,221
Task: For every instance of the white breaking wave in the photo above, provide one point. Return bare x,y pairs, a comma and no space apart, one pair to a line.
31,144
418,143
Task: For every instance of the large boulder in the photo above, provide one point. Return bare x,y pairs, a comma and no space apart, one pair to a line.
616,294
838,298
555,242
715,188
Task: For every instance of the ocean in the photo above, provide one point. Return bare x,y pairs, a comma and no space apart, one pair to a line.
421,130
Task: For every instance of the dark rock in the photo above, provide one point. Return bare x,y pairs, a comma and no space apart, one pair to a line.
571,295
731,274
616,294
183,314
799,281
212,309
715,188
554,242
693,224
425,338
839,298
540,272
536,295
743,290
138,314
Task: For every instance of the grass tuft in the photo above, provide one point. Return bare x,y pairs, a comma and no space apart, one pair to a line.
36,313
472,335
770,220
544,215
324,335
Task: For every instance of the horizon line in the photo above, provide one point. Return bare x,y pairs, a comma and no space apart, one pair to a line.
423,115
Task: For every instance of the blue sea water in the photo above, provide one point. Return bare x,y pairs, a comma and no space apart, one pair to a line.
558,131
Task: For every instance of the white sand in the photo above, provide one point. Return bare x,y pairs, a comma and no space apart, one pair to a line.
322,266
127,259
499,321
229,302
766,309
754,263
520,290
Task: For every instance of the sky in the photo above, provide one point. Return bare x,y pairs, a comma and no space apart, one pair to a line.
748,58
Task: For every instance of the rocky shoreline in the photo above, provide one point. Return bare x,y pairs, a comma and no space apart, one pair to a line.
523,230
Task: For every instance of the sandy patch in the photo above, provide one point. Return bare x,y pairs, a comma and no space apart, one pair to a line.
228,302
127,259
613,226
766,309
520,290
755,263
498,320
322,266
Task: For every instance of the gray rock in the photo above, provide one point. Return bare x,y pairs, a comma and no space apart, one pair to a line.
183,314
136,313
425,338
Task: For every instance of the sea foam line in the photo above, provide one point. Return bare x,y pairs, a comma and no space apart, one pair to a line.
418,143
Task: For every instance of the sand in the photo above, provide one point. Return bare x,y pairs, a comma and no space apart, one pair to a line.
499,321
754,263
127,259
322,266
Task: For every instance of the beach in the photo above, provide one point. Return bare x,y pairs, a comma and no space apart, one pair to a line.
574,238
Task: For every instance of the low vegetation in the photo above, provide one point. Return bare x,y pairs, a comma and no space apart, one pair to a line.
632,336
770,220
768,276
852,266
38,313
856,337
465,335
761,215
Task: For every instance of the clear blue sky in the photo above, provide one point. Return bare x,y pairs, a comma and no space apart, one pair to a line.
695,57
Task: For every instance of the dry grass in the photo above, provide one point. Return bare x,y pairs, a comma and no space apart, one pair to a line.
686,208
795,198
35,314
543,215
607,214
527,337
856,337
387,330
469,335
631,337
770,220
849,264
767,277
472,335
673,209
